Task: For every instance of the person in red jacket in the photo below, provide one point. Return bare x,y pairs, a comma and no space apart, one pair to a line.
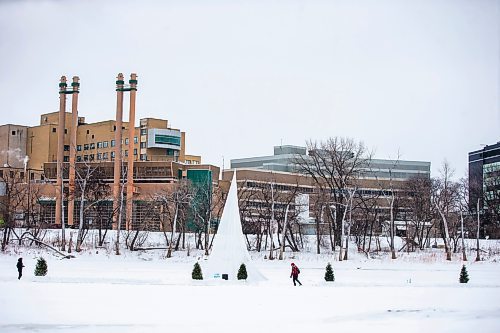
295,274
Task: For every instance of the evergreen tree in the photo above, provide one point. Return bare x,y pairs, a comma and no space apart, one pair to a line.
242,272
464,276
197,275
41,267
329,273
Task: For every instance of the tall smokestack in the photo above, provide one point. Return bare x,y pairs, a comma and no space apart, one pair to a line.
60,149
130,163
118,150
72,148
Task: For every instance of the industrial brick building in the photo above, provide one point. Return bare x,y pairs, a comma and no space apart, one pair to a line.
50,155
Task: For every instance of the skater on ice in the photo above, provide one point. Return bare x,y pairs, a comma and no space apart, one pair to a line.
20,268
295,274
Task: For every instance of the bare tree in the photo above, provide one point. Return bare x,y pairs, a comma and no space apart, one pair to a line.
334,166
13,199
92,191
417,199
444,199
175,207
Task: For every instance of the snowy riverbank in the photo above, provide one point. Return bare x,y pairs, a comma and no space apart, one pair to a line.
144,292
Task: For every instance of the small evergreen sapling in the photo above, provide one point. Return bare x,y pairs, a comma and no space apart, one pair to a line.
41,267
242,272
197,275
329,273
464,276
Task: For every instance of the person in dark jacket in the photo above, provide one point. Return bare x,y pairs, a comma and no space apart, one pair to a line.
295,274
20,267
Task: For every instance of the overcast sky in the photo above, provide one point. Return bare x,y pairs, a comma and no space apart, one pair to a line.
418,77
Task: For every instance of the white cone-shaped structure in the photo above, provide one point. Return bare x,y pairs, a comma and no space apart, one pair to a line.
229,248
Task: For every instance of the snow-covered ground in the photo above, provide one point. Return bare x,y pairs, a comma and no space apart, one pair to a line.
143,292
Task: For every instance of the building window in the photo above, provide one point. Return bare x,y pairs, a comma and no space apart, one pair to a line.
65,131
66,159
112,154
135,151
79,148
112,143
11,174
92,136
126,153
136,139
86,146
126,141
105,144
144,131
66,147
105,156
78,158
99,145
99,156
88,131
143,144
143,157
32,176
13,132
168,139
114,128
92,145
91,157
54,130
1,173
21,174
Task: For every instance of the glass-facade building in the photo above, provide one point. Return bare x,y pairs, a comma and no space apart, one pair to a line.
484,176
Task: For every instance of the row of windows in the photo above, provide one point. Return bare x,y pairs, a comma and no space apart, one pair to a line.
279,187
103,144
102,156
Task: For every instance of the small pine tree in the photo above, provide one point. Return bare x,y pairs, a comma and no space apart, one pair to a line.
41,267
242,272
464,276
329,273
197,275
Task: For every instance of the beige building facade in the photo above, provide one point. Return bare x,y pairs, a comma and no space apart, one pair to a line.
153,141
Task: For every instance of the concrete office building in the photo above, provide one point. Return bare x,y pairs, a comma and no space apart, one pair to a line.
284,160
255,173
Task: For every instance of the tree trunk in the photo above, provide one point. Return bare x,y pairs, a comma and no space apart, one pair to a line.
342,236
79,238
478,257
392,227
174,226
446,234
282,245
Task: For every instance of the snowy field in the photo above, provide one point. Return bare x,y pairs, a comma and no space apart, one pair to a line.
143,292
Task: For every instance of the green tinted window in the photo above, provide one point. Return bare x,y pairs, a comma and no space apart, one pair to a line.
168,139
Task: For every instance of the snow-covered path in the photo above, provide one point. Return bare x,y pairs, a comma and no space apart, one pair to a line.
100,294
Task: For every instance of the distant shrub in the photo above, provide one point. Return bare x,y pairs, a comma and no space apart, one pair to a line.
464,276
41,267
242,272
329,273
197,275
